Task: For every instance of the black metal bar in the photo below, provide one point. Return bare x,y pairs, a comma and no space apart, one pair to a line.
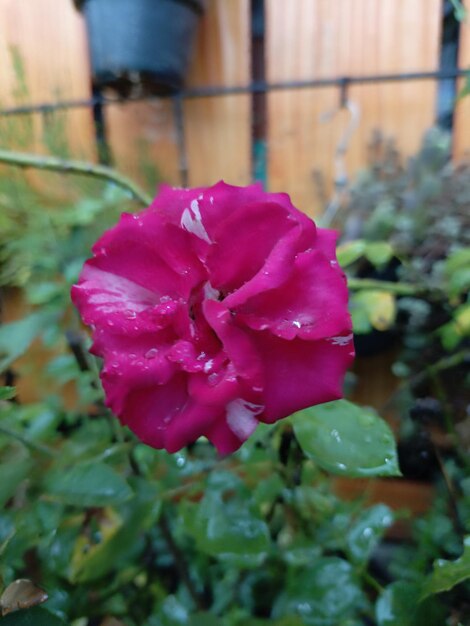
255,87
183,167
101,136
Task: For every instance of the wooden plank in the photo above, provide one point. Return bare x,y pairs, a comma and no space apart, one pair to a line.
462,111
311,39
49,38
218,129
142,138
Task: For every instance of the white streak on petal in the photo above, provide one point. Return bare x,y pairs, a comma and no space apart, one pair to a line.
208,365
241,417
111,293
192,222
341,341
210,293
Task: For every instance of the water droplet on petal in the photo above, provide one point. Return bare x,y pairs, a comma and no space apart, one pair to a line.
212,379
129,314
151,354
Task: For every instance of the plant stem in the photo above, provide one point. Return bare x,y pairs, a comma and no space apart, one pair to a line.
180,562
400,289
55,164
29,443
370,580
445,363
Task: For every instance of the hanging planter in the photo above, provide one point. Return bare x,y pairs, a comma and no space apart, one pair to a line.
140,47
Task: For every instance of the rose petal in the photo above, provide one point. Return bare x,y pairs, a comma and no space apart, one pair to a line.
299,374
312,304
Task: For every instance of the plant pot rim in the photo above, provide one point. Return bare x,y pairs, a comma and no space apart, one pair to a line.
196,5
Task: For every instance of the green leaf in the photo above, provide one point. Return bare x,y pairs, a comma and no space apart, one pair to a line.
367,531
7,393
325,593
376,306
119,542
460,11
454,331
95,485
379,252
227,528
349,252
447,574
399,605
32,617
347,439
457,270
13,473
16,337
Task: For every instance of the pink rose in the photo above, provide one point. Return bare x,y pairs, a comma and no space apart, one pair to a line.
215,309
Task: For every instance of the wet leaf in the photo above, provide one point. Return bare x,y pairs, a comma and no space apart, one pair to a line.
347,439
324,593
7,393
16,337
367,531
349,252
32,617
12,473
227,528
399,605
377,307
379,252
447,574
90,484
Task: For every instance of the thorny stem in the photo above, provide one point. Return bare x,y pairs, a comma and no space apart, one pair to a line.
29,443
55,164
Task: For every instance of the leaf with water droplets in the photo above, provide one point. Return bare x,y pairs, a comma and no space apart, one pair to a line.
88,485
347,439
367,531
399,605
447,574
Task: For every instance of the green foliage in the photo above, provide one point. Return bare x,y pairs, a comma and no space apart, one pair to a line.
346,439
415,283
32,617
447,574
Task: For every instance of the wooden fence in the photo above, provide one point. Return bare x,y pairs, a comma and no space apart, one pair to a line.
305,39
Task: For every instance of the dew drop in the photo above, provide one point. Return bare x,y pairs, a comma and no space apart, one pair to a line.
335,434
129,314
212,379
151,354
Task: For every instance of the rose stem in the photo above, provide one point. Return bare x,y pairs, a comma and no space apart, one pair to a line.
55,164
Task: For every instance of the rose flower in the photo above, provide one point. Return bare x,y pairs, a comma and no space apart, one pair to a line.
215,309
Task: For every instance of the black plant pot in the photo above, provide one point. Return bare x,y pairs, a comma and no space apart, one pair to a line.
140,47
